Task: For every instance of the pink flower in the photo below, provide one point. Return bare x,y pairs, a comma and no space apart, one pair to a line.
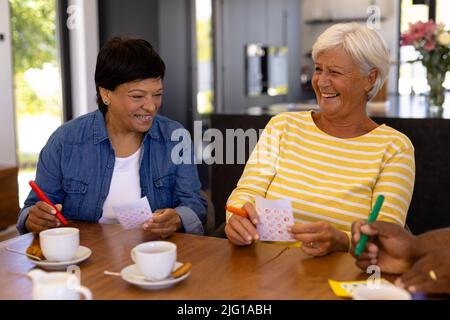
420,31
430,45
406,39
432,41
417,30
429,28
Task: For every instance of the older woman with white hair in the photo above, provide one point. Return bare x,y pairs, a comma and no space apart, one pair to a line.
331,164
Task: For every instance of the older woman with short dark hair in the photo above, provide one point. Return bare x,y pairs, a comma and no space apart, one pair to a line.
118,154
331,164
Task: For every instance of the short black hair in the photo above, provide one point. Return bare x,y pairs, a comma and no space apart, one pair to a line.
124,59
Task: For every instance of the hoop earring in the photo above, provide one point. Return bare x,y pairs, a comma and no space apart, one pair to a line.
106,102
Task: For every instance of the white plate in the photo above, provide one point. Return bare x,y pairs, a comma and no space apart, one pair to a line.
131,274
82,254
381,293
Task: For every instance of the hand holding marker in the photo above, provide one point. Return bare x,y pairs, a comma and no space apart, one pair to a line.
372,217
44,198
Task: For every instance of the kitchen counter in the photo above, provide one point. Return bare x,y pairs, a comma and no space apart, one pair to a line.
404,107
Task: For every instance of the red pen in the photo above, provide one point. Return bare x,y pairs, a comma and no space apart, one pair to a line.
44,198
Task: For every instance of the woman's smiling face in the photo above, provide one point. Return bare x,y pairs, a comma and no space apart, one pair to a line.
339,84
134,104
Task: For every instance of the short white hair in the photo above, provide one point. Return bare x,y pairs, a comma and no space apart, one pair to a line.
364,45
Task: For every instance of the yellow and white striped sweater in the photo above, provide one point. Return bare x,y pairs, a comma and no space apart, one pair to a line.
327,178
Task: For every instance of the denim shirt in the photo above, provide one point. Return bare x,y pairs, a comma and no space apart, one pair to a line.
75,168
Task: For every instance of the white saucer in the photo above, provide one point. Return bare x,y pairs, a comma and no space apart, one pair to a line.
82,254
131,274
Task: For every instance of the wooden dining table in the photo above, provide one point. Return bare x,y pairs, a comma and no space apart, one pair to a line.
220,270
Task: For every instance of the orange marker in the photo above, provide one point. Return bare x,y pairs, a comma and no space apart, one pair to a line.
238,211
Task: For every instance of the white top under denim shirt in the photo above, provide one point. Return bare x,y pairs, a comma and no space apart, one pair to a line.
125,186
76,165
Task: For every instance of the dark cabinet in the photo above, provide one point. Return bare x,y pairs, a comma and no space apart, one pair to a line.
9,196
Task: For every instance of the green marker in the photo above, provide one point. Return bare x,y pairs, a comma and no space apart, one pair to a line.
372,217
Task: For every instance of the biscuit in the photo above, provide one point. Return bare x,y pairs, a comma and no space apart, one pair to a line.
182,270
35,248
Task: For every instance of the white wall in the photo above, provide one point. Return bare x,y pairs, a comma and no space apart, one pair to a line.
84,47
339,9
8,154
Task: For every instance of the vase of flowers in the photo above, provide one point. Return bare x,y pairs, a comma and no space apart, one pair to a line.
433,44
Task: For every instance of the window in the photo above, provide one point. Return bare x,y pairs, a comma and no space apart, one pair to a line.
37,81
205,62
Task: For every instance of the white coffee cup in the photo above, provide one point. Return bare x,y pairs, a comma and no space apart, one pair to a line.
381,293
60,244
155,259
